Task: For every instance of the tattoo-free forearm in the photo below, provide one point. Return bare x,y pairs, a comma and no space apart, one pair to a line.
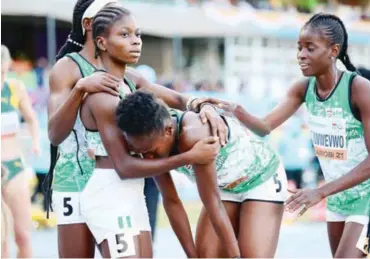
358,175
62,120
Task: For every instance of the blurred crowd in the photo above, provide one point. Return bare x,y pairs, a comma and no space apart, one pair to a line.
291,140
360,8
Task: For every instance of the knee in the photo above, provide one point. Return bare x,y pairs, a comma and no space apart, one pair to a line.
22,237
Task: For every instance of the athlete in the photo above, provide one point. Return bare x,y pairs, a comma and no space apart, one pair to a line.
118,43
75,167
15,101
4,218
243,191
67,87
339,120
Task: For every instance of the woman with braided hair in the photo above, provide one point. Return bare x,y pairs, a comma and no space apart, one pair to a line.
68,84
112,201
339,120
74,75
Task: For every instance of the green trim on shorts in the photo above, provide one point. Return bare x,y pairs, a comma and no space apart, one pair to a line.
14,167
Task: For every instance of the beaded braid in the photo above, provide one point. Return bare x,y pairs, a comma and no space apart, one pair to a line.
76,38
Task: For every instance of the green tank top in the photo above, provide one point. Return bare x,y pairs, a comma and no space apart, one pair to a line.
9,110
74,167
338,139
244,163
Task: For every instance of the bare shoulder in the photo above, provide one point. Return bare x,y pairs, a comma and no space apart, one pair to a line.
101,95
360,84
192,130
360,90
65,70
101,100
298,88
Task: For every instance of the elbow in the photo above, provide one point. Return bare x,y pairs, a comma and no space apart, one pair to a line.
125,172
264,132
265,129
54,140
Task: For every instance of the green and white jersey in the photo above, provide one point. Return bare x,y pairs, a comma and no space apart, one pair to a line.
74,167
245,162
338,139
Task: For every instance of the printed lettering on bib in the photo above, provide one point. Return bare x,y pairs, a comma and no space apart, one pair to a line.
329,137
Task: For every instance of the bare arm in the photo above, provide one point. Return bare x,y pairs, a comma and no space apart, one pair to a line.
64,100
208,191
361,173
176,214
206,179
263,126
178,101
170,97
276,117
67,89
102,107
29,115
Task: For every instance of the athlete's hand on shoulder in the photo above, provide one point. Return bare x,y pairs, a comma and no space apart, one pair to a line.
219,128
306,197
224,105
205,151
99,82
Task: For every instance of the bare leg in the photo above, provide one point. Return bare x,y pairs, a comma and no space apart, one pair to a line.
259,228
335,231
347,245
146,245
17,197
75,241
206,240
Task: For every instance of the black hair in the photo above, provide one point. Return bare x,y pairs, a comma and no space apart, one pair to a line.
364,72
335,31
104,19
76,38
141,114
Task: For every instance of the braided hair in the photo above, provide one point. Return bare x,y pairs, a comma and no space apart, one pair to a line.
104,19
335,31
76,38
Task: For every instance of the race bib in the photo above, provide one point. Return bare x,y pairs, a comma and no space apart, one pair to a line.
121,244
328,137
